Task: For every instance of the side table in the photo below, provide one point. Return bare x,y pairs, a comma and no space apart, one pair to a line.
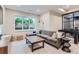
66,45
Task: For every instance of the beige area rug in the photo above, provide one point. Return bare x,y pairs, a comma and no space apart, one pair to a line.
20,47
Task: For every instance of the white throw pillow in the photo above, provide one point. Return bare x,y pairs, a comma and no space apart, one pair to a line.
54,35
59,34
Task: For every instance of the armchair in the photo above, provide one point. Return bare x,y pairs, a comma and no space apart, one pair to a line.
4,44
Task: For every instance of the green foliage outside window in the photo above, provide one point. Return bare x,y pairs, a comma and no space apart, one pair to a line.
30,21
24,23
18,20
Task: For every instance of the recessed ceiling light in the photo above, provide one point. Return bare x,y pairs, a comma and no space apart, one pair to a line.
37,10
61,10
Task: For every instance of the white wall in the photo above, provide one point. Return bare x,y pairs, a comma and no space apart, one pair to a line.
55,22
51,21
0,15
1,20
44,21
1,28
9,22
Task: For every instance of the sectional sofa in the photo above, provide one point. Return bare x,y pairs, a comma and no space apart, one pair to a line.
51,38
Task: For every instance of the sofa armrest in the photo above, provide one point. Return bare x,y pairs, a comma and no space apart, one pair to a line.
5,40
59,42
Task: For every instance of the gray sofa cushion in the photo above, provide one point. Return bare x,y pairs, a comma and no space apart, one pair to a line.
53,37
50,37
49,33
42,35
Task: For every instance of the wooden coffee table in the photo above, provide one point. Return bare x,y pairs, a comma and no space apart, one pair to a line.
35,40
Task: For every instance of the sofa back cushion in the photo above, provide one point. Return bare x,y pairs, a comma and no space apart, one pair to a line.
49,33
60,34
54,36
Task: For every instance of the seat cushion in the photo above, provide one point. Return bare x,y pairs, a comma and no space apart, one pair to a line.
17,37
45,32
53,37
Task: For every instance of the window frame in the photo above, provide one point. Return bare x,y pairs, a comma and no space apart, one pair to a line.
22,23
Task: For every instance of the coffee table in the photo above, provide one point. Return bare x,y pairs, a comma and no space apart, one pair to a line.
35,40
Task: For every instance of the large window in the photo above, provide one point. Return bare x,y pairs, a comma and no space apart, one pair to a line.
24,23
71,20
76,19
68,21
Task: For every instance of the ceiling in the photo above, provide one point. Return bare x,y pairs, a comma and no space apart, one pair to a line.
40,9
